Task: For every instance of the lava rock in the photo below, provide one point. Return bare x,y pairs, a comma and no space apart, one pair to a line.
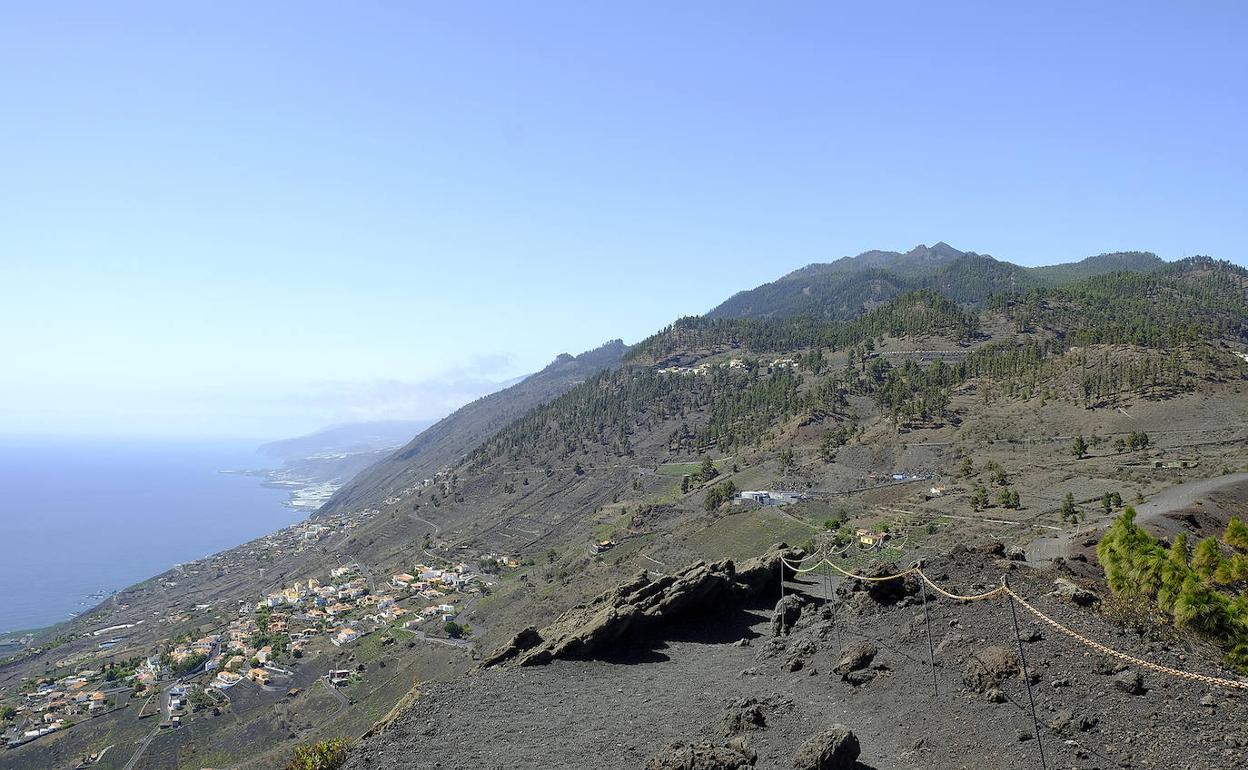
1067,590
1062,719
642,603
744,715
993,549
771,648
855,656
1131,682
833,749
990,667
786,614
859,678
886,592
525,640
703,756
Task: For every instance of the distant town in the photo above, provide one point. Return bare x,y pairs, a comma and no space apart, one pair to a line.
262,644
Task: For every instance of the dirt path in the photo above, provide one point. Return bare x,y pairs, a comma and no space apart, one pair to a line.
1183,495
1044,549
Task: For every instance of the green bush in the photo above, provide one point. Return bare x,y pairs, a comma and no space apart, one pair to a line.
321,755
1138,566
720,494
1237,535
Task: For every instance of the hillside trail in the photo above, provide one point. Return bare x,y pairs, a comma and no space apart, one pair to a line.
1043,550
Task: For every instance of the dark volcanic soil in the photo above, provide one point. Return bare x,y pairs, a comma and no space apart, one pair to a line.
617,713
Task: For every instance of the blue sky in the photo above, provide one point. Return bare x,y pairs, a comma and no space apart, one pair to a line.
253,219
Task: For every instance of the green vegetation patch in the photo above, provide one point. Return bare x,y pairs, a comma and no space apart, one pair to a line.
1202,590
322,755
691,468
747,534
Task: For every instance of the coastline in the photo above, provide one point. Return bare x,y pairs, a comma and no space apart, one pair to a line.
98,515
303,494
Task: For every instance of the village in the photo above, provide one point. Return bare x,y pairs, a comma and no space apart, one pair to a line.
263,643
344,609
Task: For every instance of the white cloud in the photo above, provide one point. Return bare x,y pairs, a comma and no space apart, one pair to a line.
426,399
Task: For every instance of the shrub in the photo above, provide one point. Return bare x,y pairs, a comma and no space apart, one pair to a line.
1138,566
321,755
1237,534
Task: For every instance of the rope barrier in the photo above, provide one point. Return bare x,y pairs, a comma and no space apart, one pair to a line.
819,556
1210,680
1004,590
798,570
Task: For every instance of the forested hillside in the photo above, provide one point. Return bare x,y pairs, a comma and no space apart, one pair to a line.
1156,335
845,288
728,383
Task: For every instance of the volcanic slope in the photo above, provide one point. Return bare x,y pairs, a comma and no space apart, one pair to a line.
857,660
860,417
925,422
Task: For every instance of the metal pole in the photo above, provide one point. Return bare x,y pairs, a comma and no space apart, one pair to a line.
931,651
1022,659
836,626
782,578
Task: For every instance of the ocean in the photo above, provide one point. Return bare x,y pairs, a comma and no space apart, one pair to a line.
85,517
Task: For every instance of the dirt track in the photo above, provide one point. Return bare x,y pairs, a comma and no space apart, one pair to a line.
1043,550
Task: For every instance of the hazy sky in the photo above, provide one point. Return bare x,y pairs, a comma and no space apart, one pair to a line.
256,218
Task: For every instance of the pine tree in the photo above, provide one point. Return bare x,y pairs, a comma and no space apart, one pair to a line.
979,498
1079,447
1069,511
1207,557
1237,534
1174,573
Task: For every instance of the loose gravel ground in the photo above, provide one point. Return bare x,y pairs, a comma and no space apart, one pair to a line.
617,713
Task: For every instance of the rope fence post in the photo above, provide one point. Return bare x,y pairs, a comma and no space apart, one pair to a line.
927,623
836,627
1022,660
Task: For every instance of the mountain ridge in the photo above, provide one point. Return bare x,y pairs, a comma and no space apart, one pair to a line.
847,286
461,431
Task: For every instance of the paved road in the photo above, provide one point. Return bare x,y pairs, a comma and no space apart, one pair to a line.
164,709
434,528
134,760
163,702
343,703
1043,550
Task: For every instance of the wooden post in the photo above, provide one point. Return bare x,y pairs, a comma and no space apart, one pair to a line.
1022,660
